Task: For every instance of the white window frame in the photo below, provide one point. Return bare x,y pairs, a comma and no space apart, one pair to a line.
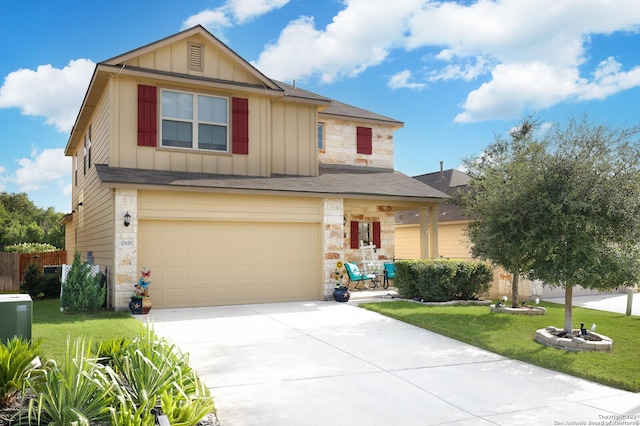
195,122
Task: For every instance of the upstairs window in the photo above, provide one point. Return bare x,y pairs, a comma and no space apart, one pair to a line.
194,121
321,136
364,140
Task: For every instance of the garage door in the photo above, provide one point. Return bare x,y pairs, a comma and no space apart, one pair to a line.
224,263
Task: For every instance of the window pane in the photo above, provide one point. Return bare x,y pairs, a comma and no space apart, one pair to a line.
177,105
320,135
211,109
363,233
176,133
212,137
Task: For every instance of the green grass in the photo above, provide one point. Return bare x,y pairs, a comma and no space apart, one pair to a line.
53,327
513,336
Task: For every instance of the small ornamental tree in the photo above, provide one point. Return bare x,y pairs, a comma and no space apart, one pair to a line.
81,291
561,206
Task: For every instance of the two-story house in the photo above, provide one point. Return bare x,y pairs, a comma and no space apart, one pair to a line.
229,186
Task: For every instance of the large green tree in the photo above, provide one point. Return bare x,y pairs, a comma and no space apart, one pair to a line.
21,221
559,204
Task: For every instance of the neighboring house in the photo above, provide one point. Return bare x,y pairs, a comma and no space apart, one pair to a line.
452,225
453,242
239,188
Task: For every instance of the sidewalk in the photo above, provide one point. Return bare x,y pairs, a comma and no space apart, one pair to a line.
611,302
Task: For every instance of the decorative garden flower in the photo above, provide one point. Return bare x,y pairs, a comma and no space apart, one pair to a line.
338,274
142,288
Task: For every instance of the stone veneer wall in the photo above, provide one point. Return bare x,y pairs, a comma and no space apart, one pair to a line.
367,212
340,145
126,247
337,235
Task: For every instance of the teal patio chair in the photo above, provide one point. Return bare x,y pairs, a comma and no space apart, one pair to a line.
355,276
389,273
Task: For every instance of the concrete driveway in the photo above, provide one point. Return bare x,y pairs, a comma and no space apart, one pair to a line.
329,363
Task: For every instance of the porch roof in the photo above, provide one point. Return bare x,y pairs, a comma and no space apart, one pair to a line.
341,181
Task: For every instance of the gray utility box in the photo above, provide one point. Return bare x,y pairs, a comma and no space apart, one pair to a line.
16,314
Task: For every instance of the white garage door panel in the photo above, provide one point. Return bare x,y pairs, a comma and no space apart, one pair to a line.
221,263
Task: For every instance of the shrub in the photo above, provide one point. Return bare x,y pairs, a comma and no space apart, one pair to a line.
80,392
33,283
142,375
81,291
159,375
37,284
16,359
51,286
30,248
442,280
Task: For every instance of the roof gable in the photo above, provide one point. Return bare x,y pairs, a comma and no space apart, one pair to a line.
171,55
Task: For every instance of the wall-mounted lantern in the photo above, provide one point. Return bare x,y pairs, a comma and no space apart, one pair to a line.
127,219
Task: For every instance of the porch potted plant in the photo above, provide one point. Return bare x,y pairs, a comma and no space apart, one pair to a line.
341,291
140,300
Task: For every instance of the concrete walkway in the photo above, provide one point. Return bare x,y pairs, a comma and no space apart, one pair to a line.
329,363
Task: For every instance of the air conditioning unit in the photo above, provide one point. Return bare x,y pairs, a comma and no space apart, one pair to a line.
16,314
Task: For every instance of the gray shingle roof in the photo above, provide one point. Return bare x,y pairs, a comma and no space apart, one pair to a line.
337,108
342,181
446,181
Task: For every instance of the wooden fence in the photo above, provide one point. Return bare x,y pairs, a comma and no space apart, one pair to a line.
9,272
13,265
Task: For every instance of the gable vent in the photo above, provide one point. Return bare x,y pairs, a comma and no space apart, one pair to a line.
196,56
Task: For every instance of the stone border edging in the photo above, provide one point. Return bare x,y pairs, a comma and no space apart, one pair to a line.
531,310
544,337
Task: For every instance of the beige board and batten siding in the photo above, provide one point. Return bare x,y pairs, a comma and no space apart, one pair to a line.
92,228
295,129
275,140
220,249
452,242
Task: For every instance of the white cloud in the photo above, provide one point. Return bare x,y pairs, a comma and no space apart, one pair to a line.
53,93
248,9
533,63
608,79
214,20
517,88
230,13
401,80
530,50
41,170
360,36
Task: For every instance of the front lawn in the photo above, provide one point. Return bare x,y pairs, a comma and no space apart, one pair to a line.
53,326
513,336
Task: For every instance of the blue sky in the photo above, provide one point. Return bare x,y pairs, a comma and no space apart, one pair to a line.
455,72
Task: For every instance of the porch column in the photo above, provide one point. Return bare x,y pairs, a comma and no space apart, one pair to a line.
433,232
333,242
429,232
424,232
125,265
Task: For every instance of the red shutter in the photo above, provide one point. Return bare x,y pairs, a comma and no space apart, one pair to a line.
240,126
147,115
376,234
354,235
364,143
